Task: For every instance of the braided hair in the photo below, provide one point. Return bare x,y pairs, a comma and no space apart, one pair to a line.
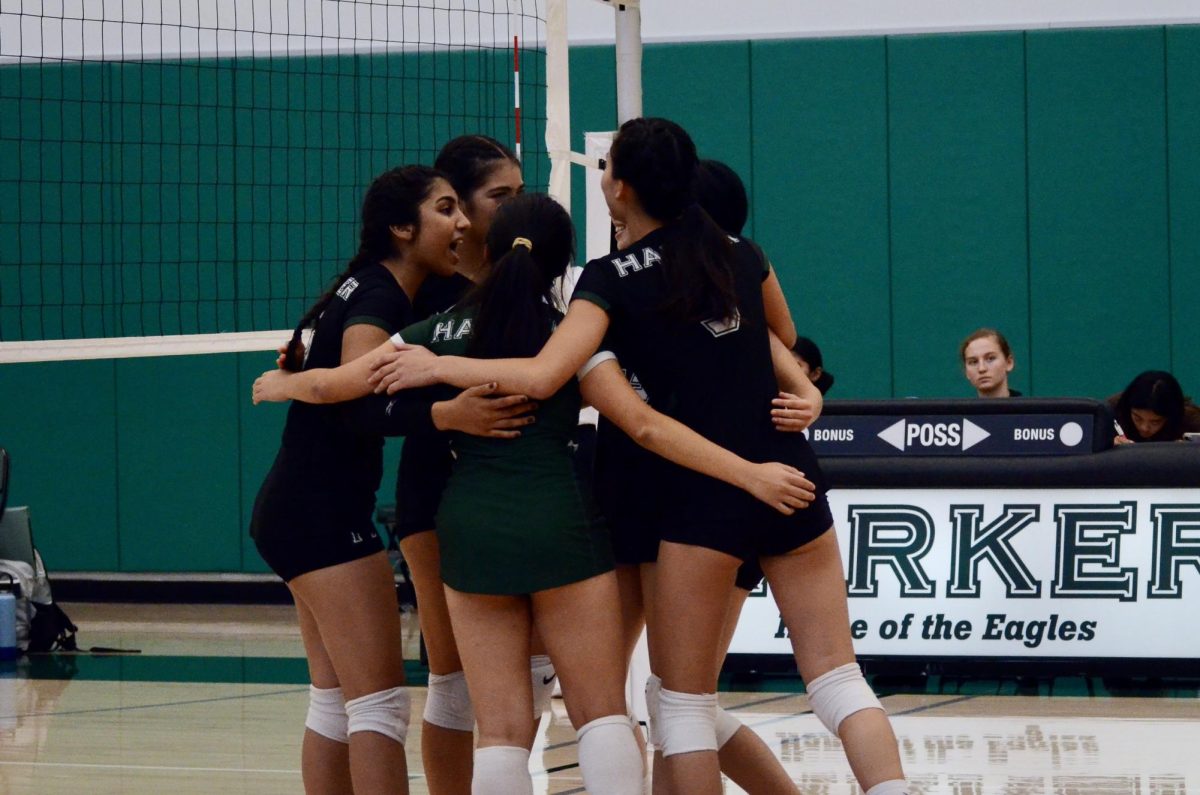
468,160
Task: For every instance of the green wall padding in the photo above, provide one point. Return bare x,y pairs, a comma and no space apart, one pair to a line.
697,84
1183,158
820,197
1098,269
58,423
177,464
907,188
957,155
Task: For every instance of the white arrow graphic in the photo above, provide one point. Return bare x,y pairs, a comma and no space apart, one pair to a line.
894,435
972,434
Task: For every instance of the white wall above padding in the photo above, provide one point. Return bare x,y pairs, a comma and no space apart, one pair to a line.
687,20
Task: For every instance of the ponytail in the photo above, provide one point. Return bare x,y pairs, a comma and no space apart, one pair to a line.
514,315
657,158
697,264
293,356
393,199
513,318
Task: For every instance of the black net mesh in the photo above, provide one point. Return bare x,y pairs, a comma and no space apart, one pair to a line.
197,166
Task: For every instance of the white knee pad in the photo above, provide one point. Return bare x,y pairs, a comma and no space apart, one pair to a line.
501,770
727,726
653,732
541,672
894,787
609,758
687,722
327,713
836,695
448,703
385,712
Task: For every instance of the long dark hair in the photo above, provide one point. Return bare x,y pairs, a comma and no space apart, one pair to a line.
468,160
394,199
657,158
1157,391
530,245
722,194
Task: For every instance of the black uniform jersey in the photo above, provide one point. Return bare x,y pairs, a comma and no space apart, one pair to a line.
322,484
715,376
425,460
439,294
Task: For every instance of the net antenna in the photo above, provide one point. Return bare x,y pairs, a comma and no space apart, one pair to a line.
186,178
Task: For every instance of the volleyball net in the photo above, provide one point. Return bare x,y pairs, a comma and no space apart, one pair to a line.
185,175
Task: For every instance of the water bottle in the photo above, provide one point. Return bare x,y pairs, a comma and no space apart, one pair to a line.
9,593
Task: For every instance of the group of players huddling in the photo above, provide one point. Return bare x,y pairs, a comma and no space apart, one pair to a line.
444,329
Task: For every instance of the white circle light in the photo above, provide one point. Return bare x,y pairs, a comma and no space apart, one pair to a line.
1071,434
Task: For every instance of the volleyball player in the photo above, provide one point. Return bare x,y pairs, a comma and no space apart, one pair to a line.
544,537
685,306
628,495
312,518
510,562
485,174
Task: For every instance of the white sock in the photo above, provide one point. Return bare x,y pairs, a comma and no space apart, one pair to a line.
896,786
544,679
609,758
501,770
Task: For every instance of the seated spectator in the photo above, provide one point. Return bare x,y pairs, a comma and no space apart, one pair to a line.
808,355
987,360
1153,409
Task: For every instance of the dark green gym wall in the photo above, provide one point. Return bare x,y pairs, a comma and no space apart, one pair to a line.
912,188
908,189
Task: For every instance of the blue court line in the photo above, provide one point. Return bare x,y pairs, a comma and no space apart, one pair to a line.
153,706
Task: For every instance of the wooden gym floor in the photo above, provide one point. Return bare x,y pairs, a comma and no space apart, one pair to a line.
216,698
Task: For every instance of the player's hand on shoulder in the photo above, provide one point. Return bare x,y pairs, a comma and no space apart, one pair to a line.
478,412
271,387
782,487
793,413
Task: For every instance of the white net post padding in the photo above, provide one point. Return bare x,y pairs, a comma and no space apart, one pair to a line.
629,61
597,240
558,102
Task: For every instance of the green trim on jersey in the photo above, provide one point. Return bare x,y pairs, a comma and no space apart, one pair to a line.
368,320
589,296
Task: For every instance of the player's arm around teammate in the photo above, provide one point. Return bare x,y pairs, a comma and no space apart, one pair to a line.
511,564
312,518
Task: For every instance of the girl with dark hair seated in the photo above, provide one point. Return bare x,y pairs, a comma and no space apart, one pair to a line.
1153,409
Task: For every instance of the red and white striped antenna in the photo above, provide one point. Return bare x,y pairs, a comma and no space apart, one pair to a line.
517,93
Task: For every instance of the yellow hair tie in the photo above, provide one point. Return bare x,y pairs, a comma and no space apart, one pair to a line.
523,241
